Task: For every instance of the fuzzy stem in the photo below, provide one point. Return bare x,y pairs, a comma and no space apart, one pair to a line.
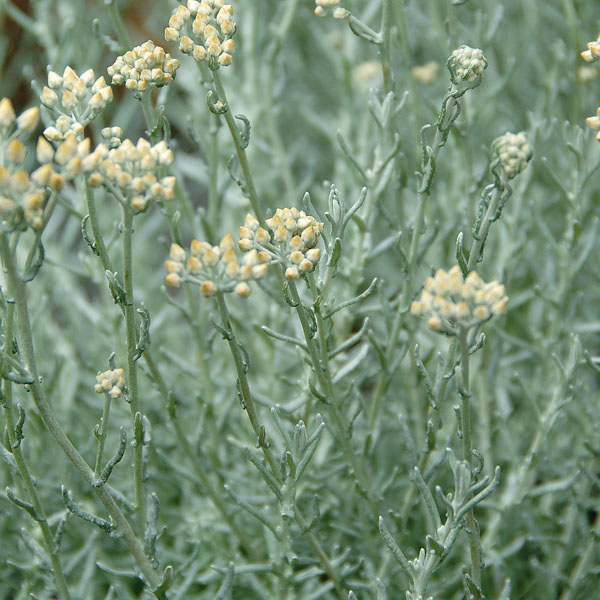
465,394
132,382
241,152
102,434
95,225
386,46
320,362
16,288
150,115
410,268
15,448
256,425
118,25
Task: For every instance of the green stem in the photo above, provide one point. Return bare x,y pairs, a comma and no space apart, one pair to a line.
118,25
320,362
48,210
240,151
102,434
27,481
16,288
478,244
132,382
150,115
256,426
386,47
410,268
214,200
95,225
279,153
467,444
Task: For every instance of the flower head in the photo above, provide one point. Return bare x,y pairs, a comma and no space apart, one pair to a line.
60,164
448,302
74,100
215,268
294,238
592,54
204,31
111,382
324,7
143,67
21,199
467,64
513,152
594,123
131,172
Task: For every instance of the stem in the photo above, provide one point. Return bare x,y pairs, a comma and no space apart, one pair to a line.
214,200
15,448
488,219
471,525
118,24
256,426
413,255
95,225
149,115
132,382
102,434
241,152
16,288
320,363
386,61
48,210
279,154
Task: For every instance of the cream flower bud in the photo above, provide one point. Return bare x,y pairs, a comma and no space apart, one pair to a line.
28,120
44,151
55,81
242,289
49,97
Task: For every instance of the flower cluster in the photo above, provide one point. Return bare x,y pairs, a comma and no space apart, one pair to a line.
144,66
594,123
448,302
75,100
129,171
20,197
296,234
210,27
215,268
62,164
467,64
592,54
323,7
111,382
513,151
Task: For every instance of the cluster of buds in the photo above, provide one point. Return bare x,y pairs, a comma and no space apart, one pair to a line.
111,382
467,64
592,54
75,100
513,152
448,302
204,31
296,234
20,197
144,66
112,136
215,268
594,123
62,164
129,171
323,7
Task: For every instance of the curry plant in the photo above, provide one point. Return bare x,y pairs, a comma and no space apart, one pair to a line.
298,300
